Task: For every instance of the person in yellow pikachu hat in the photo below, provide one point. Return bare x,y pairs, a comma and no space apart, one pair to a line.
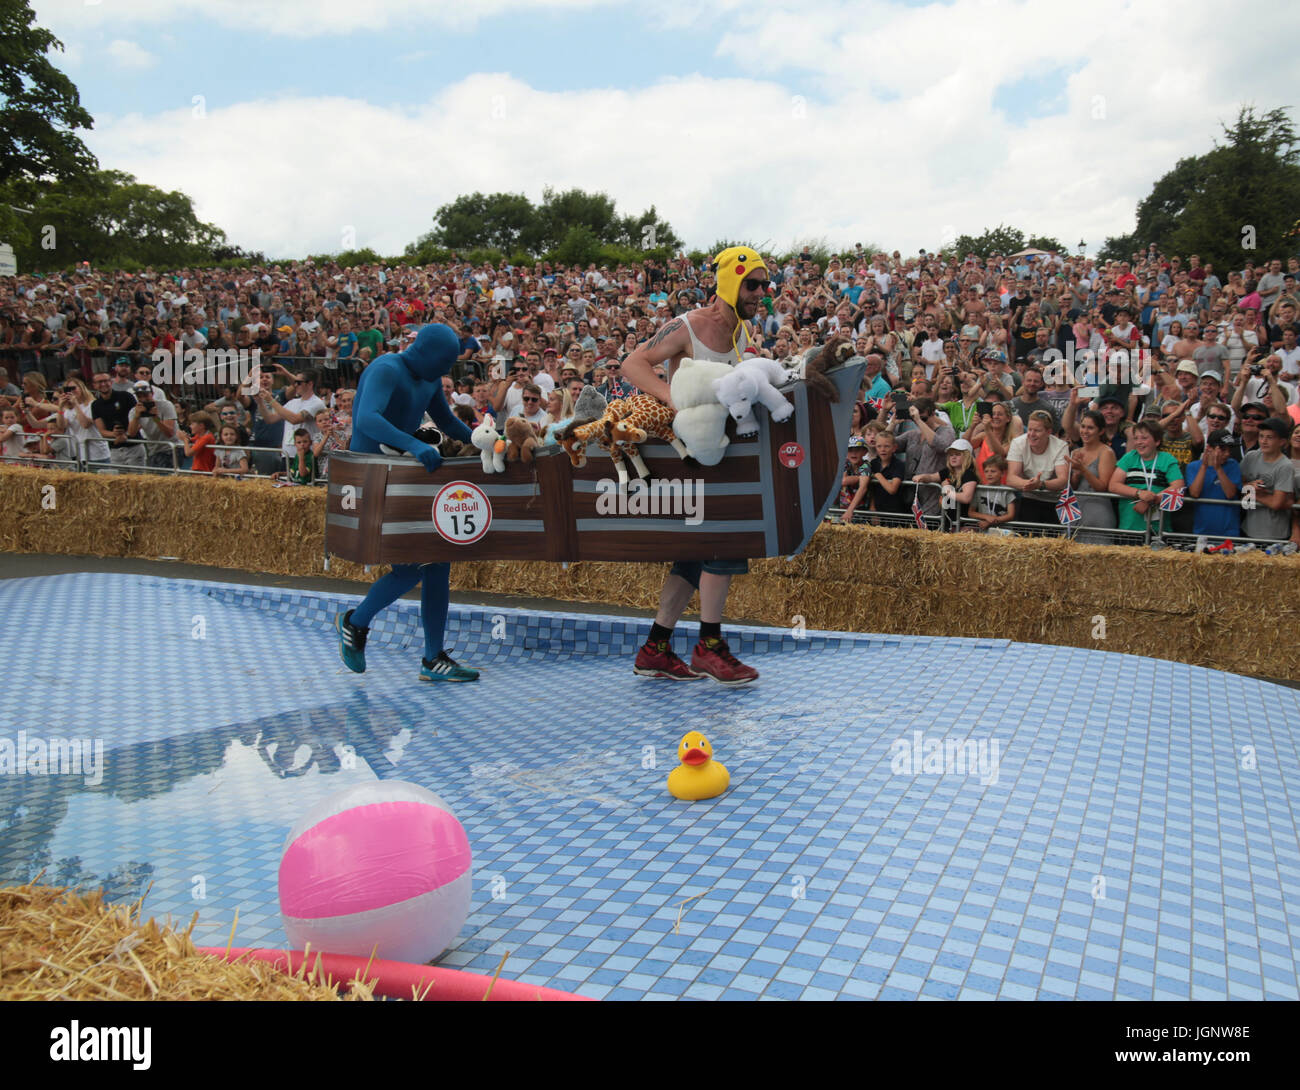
716,332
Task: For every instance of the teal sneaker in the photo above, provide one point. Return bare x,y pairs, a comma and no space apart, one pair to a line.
445,668
352,642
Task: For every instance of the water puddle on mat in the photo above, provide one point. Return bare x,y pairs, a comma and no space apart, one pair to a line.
587,779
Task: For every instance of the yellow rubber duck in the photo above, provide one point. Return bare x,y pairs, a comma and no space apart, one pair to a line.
699,776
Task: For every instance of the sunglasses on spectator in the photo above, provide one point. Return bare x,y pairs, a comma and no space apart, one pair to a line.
1222,419
1256,419
532,399
761,285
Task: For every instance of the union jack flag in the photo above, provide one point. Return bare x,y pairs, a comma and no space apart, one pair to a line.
918,514
1067,507
1171,499
877,403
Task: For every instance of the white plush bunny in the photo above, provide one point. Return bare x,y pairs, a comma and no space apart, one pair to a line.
493,447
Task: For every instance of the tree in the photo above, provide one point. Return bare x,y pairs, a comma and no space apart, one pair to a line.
572,221
996,240
1046,242
1247,195
109,218
648,232
1240,195
1119,248
560,213
478,221
579,247
39,109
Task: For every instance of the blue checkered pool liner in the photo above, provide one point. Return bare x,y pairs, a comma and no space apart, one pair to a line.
1131,835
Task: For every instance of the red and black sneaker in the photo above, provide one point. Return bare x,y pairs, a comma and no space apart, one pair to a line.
657,660
714,657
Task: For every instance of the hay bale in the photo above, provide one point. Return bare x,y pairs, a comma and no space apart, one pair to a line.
59,944
850,578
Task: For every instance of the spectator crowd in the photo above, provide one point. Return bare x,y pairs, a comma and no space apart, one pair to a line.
1000,394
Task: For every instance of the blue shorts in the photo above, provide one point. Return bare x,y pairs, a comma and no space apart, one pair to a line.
690,569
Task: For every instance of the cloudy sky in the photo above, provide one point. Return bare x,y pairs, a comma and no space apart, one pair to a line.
307,126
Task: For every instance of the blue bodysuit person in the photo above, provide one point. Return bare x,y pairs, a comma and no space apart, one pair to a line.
393,395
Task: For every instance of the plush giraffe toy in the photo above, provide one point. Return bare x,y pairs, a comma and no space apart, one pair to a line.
575,437
626,422
646,417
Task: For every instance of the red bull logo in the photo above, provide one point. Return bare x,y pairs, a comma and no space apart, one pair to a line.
461,512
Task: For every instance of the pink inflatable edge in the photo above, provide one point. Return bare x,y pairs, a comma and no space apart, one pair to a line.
397,832
400,979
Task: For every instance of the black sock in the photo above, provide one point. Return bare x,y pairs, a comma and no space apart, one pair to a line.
710,630
660,634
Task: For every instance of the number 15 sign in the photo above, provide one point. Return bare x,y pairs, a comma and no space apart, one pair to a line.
461,513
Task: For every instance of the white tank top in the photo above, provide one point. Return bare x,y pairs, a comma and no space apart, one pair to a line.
701,351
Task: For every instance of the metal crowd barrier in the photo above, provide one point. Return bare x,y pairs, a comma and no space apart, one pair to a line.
946,519
34,460
87,363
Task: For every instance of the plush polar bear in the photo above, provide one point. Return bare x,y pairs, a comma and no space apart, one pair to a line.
754,379
701,421
489,441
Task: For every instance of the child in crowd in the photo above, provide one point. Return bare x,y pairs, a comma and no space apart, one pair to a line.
330,440
199,445
13,444
233,461
1216,475
959,482
853,485
885,477
995,505
302,466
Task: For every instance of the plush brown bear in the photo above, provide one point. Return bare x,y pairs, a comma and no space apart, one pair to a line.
834,352
521,440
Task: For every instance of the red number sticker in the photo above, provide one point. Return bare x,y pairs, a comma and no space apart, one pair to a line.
791,455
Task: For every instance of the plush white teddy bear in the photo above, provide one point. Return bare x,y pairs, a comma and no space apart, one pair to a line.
752,380
489,441
701,421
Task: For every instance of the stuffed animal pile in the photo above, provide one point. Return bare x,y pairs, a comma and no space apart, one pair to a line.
626,423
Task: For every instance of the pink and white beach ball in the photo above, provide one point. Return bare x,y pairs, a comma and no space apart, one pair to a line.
384,865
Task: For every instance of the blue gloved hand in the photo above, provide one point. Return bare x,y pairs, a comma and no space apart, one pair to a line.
428,456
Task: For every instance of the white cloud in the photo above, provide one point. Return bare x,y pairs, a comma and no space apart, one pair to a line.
294,18
129,55
896,137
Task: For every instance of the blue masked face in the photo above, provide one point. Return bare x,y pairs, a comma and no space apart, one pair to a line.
433,352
